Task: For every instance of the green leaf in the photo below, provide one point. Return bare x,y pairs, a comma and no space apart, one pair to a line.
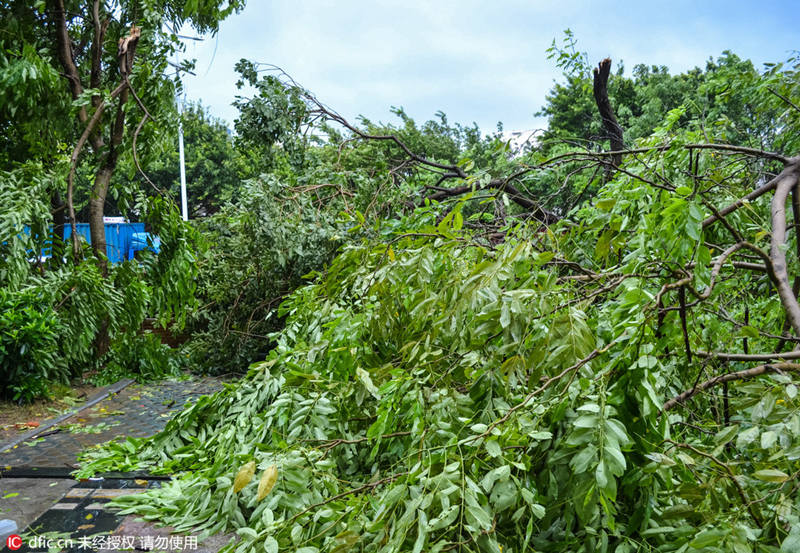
493,448
726,434
248,533
606,204
749,331
792,543
708,537
458,220
505,314
771,475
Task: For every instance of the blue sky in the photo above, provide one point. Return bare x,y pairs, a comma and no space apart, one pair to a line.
480,62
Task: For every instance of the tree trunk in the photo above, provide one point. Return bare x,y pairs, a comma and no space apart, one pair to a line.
97,232
97,203
58,209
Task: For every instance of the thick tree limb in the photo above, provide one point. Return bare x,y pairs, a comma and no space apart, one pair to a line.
90,126
785,182
610,124
728,377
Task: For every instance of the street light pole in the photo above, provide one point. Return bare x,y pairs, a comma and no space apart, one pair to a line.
184,201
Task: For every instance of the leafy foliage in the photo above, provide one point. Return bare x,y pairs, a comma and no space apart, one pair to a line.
259,249
214,166
28,346
558,389
70,304
142,357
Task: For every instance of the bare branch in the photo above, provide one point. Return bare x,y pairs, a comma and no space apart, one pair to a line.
785,182
749,356
728,377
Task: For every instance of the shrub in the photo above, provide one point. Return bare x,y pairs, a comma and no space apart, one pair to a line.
29,331
259,250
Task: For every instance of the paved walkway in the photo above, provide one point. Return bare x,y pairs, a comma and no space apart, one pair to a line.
36,491
80,523
138,410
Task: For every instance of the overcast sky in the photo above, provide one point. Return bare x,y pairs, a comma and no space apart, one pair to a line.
480,62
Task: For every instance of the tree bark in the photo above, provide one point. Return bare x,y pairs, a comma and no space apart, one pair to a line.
97,230
610,125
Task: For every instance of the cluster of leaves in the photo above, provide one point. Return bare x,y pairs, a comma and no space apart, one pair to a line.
28,346
289,221
258,250
431,393
140,356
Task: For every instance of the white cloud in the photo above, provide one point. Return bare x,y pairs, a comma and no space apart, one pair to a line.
474,60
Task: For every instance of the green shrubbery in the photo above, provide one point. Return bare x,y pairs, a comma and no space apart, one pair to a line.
29,344
142,357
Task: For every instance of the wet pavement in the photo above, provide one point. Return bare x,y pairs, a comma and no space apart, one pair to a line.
80,522
137,411
38,494
23,500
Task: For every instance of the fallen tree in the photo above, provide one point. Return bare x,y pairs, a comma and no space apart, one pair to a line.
590,382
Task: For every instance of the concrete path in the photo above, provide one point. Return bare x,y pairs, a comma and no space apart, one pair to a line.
80,522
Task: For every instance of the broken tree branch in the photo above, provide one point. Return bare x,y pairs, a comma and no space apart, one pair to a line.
728,377
610,124
785,182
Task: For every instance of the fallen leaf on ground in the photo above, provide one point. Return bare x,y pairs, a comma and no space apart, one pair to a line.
26,425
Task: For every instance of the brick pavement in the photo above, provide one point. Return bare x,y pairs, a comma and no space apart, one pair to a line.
137,411
80,515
